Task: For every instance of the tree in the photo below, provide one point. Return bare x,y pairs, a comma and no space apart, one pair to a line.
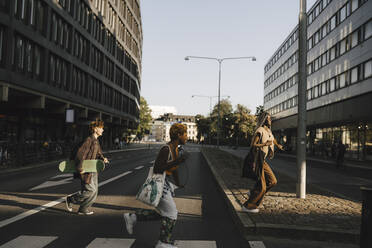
203,125
244,123
145,119
225,109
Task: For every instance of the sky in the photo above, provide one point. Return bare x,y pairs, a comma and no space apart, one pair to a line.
174,29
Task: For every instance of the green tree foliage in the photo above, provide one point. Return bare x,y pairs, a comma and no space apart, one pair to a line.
145,119
225,110
204,126
244,123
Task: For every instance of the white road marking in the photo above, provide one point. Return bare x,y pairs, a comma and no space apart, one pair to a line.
114,178
256,244
29,241
196,244
152,162
139,167
111,243
52,183
63,175
53,203
30,212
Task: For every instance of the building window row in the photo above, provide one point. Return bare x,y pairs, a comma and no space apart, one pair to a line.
81,48
59,73
317,10
287,104
282,88
27,57
352,76
284,67
2,42
61,32
30,12
335,20
108,68
357,37
287,44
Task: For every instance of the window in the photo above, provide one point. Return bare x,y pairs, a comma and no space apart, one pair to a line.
31,9
19,53
354,5
354,75
343,46
29,57
368,30
332,22
324,59
342,80
354,39
368,69
332,53
2,31
324,89
332,84
324,31
343,14
37,61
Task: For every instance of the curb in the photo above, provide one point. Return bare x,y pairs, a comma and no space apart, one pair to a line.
14,171
249,228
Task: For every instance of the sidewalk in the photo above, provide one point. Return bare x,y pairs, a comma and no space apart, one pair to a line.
321,216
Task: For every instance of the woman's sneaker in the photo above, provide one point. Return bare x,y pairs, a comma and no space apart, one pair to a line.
250,210
130,221
68,203
164,245
85,212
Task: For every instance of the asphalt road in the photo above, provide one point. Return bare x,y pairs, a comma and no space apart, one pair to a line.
33,214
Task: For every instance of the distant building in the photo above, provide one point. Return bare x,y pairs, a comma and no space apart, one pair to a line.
157,111
77,56
161,126
339,80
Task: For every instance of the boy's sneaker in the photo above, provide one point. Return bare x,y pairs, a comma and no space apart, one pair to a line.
68,203
130,221
164,245
86,212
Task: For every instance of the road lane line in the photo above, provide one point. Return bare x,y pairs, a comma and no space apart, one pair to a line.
114,178
196,244
111,243
53,203
29,241
139,167
256,244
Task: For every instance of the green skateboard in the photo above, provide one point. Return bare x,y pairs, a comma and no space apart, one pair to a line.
68,166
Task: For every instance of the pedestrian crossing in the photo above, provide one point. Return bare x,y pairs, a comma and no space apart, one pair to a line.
43,241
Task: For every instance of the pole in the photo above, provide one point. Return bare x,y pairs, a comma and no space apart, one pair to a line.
219,107
301,115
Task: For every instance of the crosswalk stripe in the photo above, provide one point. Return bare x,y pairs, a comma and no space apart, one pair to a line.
256,244
29,241
139,167
196,244
111,243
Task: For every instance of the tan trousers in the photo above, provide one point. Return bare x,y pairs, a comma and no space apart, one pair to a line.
263,185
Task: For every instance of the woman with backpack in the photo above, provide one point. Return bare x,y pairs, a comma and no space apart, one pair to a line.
167,160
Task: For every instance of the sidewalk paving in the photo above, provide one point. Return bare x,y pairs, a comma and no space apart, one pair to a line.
321,216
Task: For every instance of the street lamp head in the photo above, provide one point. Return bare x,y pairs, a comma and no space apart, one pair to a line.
187,58
254,59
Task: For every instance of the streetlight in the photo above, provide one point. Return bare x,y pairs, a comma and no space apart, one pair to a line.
219,60
210,100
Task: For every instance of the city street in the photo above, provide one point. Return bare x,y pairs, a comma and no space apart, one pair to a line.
204,220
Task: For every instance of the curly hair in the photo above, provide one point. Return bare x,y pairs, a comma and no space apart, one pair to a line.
177,129
94,124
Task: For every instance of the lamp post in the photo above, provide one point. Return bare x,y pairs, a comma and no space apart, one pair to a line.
219,60
210,100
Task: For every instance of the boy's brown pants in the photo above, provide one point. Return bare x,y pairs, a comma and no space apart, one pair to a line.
263,185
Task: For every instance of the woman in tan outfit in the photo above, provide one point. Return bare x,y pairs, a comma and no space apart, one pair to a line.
263,143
